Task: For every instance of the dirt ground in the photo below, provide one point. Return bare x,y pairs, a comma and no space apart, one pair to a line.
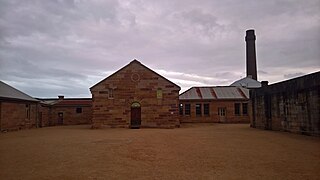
194,151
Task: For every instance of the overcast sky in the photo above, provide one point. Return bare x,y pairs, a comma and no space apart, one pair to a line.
57,47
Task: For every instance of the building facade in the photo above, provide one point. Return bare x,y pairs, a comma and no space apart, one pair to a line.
135,96
65,111
292,105
17,109
214,104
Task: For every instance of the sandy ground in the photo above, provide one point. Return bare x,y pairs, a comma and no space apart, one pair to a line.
194,151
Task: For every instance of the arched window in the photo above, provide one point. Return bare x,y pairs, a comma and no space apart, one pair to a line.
135,105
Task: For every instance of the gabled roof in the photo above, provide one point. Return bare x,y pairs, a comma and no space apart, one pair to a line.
246,82
137,62
9,92
215,93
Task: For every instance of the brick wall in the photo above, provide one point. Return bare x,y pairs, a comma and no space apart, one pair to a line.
291,105
45,115
70,115
135,83
18,115
229,116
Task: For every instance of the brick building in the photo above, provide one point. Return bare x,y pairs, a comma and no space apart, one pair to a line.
215,104
135,96
17,109
65,111
292,105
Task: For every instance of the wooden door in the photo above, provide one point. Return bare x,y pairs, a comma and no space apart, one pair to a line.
60,118
135,116
222,114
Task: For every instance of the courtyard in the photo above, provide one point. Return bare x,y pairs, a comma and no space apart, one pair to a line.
194,151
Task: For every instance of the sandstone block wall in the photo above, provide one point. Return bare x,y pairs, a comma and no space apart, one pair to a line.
14,115
135,83
291,105
70,116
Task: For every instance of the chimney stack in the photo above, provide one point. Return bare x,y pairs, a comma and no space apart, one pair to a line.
61,98
251,54
264,83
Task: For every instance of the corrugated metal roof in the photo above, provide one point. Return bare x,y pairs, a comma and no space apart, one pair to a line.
247,82
225,92
10,92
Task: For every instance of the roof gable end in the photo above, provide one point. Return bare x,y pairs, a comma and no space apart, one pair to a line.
131,63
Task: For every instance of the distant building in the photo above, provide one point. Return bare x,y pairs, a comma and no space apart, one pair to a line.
215,104
20,111
135,96
17,109
247,82
292,105
65,111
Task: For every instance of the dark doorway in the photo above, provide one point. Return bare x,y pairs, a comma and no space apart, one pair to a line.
60,118
135,115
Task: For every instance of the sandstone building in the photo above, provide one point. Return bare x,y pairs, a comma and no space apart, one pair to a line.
20,111
292,105
65,111
135,96
17,109
215,104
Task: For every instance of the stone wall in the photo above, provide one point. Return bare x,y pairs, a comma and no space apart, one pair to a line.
45,112
70,115
214,105
291,105
15,115
157,96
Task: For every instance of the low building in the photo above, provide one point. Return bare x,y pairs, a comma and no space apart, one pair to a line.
17,109
292,105
215,104
65,111
135,96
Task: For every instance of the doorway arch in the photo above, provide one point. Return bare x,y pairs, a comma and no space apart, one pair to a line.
135,121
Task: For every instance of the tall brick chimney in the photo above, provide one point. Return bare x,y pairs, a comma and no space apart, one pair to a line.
251,54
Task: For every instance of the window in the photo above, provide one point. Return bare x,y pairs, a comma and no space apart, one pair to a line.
159,93
245,108
222,111
237,109
78,110
187,109
27,111
110,93
198,109
181,109
206,109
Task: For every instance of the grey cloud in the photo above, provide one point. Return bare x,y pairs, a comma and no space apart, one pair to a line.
262,72
287,76
67,46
